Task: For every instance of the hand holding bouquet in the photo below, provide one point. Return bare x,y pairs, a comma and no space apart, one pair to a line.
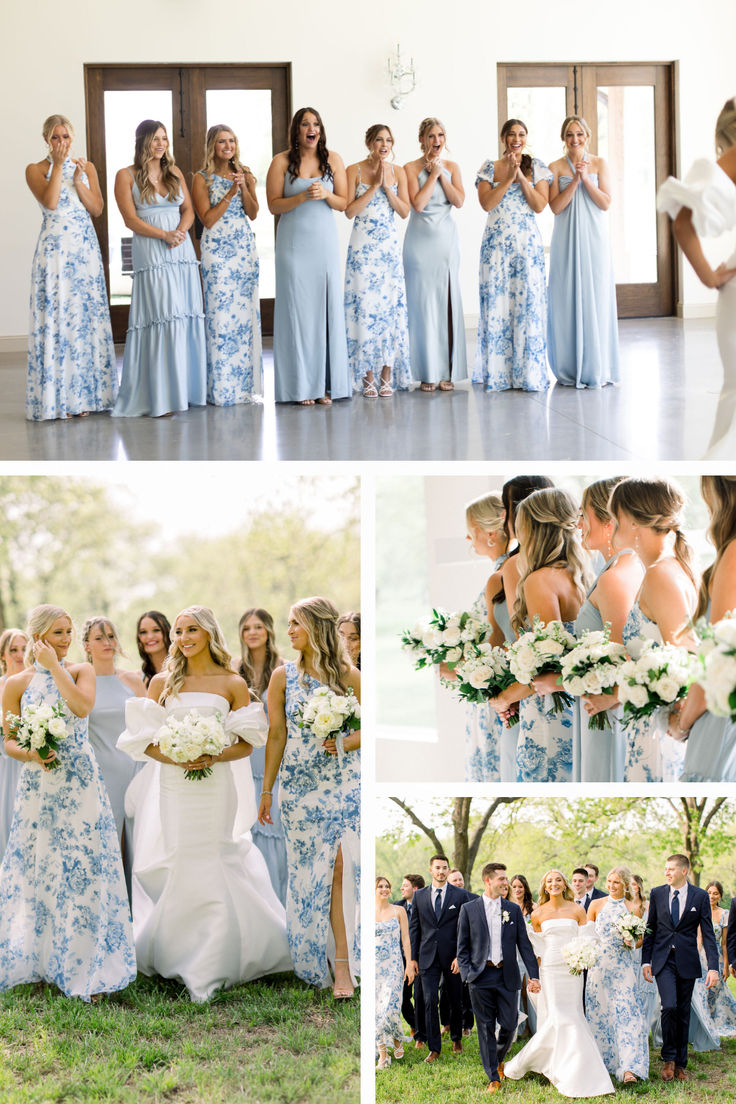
484,673
326,714
41,728
631,929
659,677
539,652
580,954
186,739
441,637
717,655
592,668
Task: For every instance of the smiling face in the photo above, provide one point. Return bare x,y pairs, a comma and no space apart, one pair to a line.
579,885
309,131
554,883
101,644
159,144
517,891
674,874
575,140
433,141
254,634
225,145
382,145
714,895
151,637
297,635
615,886
191,639
383,889
14,654
59,636
456,879
351,639
515,139
407,890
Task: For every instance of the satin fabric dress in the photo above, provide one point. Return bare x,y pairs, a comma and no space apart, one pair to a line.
9,775
710,749
509,736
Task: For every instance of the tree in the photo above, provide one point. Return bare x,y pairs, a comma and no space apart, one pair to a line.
696,818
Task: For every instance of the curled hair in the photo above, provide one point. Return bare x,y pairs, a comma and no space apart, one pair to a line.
513,492
528,903
596,497
718,886
6,639
544,896
726,127
53,121
383,878
175,669
426,125
637,880
246,668
549,536
581,122
719,493
655,504
526,161
373,131
487,512
234,164
162,621
104,622
144,133
625,875
352,617
40,620
318,617
295,152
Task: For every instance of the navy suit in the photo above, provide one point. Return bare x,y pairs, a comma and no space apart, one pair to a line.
412,1010
434,947
731,934
494,991
672,952
594,894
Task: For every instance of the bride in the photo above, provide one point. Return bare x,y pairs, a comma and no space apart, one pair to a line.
203,907
563,1049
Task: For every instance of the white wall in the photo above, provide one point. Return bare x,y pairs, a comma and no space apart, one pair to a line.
339,54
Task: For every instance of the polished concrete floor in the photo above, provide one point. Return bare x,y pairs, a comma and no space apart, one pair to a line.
663,410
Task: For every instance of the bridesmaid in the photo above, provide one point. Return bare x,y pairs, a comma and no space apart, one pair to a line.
520,892
224,197
598,755
305,184
259,658
432,264
392,936
165,361
710,751
153,634
720,1000
71,357
320,803
582,327
348,626
648,515
511,350
13,644
66,918
375,292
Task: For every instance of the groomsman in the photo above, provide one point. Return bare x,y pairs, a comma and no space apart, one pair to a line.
490,932
412,1010
592,872
433,933
456,878
579,883
670,952
731,937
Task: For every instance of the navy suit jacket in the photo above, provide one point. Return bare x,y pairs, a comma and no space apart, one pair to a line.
661,935
473,943
430,937
731,934
595,893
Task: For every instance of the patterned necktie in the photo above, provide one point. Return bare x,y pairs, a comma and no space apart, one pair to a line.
438,903
675,908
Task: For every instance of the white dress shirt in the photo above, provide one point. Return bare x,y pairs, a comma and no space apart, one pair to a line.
682,898
493,919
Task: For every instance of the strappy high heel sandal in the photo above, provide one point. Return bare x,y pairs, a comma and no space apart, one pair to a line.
341,992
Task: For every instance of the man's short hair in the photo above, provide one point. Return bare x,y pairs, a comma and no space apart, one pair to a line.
580,870
490,869
681,860
416,880
592,866
439,858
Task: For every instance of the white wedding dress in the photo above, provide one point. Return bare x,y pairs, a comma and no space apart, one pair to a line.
204,910
563,1049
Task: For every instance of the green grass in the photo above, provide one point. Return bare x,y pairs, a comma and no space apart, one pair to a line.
460,1079
273,1041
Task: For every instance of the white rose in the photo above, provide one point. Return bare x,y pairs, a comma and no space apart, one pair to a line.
57,728
637,695
453,655
667,688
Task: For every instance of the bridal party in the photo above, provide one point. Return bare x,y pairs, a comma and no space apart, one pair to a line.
197,818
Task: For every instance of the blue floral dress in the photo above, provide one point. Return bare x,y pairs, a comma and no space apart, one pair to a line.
720,1000
320,811
613,1005
389,981
483,727
544,748
375,294
71,357
66,918
232,310
512,329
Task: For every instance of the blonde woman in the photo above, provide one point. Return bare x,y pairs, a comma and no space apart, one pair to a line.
320,802
165,361
432,264
224,197
13,644
648,514
71,357
578,1069
204,911
553,579
65,911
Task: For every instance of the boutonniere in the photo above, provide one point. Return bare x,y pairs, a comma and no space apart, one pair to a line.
505,918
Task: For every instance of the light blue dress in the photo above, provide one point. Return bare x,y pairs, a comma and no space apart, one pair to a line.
320,811
509,736
582,327
651,755
65,911
389,982
482,727
597,756
511,350
720,1000
269,838
612,1003
544,748
310,353
71,357
432,268
710,749
375,294
232,308
165,361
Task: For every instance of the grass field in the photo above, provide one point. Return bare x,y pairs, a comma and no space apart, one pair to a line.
273,1041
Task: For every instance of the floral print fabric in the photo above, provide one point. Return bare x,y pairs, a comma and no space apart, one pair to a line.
389,982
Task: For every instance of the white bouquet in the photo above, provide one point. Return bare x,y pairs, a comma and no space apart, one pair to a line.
580,954
441,637
326,713
484,673
717,655
631,928
539,652
592,668
659,677
186,738
41,729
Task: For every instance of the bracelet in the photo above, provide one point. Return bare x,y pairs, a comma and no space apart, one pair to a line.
269,792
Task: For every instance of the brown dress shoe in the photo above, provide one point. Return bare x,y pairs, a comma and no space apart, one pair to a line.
493,1086
668,1071
432,1056
681,1074
501,1074
457,1046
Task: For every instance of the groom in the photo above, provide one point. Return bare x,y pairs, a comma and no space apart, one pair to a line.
670,952
490,931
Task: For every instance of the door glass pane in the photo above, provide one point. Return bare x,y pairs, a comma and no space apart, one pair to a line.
248,112
543,110
123,112
626,140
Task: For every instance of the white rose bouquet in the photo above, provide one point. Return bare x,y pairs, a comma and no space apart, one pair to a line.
592,668
539,652
631,928
41,729
717,655
186,738
659,677
441,637
580,954
326,713
484,673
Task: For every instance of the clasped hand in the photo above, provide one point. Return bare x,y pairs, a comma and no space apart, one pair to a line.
533,985
174,238
316,191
